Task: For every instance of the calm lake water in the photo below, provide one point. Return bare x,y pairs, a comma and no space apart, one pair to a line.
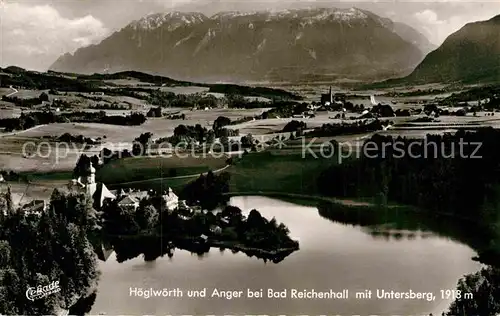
331,256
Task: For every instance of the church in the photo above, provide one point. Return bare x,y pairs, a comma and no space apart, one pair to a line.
98,191
327,98
126,198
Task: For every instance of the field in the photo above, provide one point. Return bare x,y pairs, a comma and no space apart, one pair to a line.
160,127
268,172
146,168
24,193
22,93
263,172
277,169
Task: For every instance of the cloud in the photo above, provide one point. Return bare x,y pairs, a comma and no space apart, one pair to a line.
34,36
437,28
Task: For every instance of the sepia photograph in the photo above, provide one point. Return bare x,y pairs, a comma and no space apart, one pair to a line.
232,157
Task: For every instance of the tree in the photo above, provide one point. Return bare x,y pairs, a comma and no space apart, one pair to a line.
39,250
210,137
232,212
485,288
141,144
255,220
82,166
224,140
146,217
5,252
247,141
44,97
220,122
234,100
181,130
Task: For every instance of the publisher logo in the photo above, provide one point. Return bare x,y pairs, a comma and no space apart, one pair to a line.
38,292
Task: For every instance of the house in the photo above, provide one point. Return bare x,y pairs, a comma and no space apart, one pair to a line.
128,202
182,204
171,200
215,229
35,207
138,195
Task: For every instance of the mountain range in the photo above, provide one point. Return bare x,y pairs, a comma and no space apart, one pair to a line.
286,45
472,54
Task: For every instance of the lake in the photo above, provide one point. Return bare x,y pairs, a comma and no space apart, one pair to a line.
331,256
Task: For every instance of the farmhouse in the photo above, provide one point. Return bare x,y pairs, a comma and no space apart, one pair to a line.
171,199
35,207
128,202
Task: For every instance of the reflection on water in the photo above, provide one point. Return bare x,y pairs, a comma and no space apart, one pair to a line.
332,256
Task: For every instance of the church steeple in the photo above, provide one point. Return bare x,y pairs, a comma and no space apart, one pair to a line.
90,178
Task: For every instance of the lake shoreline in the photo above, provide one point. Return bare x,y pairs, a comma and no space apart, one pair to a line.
485,255
330,254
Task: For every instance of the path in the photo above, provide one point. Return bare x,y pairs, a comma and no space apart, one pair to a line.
12,93
23,131
170,178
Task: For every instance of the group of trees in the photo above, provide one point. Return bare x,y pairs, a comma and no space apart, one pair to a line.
358,127
31,119
26,102
235,92
189,133
237,101
485,288
43,81
37,250
208,190
170,99
83,164
112,106
150,226
442,177
176,116
141,144
295,126
79,139
157,112
473,94
285,109
455,174
220,122
261,233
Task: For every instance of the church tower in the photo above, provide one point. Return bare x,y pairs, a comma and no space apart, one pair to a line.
89,180
90,177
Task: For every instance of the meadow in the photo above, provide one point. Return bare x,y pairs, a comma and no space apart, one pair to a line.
147,168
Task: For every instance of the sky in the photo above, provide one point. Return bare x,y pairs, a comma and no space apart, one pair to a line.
34,33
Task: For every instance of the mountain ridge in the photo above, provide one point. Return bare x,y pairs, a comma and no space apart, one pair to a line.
261,45
467,55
